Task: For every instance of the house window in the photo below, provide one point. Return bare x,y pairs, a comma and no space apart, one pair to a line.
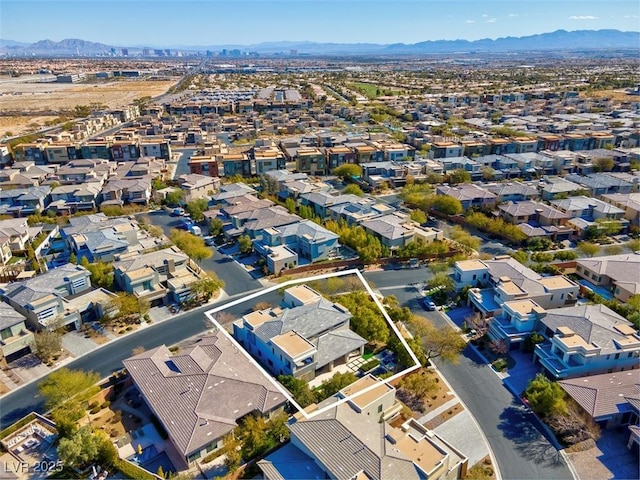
617,356
630,354
474,276
562,296
551,299
379,408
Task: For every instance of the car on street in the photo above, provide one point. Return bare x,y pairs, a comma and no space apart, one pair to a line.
428,304
209,241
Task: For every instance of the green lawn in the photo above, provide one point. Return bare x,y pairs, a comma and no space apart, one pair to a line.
373,91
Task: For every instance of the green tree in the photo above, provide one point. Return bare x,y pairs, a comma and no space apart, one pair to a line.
155,231
254,429
367,320
73,259
64,384
126,307
190,244
336,383
102,275
565,255
603,164
46,344
232,452
215,227
545,397
588,249
353,189
464,238
174,199
206,286
245,244
443,343
299,390
347,171
458,176
196,208
418,216
447,205
419,384
84,447
290,205
521,256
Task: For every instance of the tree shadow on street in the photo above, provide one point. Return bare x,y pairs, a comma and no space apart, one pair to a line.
518,425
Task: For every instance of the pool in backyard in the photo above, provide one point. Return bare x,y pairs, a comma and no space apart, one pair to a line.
150,459
598,289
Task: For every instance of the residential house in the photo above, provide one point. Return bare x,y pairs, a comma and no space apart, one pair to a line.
126,190
69,199
588,208
228,192
237,163
445,150
512,191
462,163
306,239
601,184
607,399
519,318
34,152
617,273
62,296
353,440
204,165
504,279
100,238
61,152
197,186
470,195
158,147
586,340
303,340
534,213
354,213
555,187
337,156
15,339
310,160
629,202
366,153
18,232
267,157
397,229
25,201
379,174
320,202
214,386
160,277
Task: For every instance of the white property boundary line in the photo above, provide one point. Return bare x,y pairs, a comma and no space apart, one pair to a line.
211,316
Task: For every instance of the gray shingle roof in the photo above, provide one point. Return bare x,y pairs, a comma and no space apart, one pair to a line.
9,317
26,291
594,323
199,394
337,344
307,320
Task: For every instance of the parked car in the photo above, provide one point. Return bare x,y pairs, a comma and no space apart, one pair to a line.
209,241
428,304
177,212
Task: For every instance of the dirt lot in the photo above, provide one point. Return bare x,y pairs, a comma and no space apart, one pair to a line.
615,95
18,97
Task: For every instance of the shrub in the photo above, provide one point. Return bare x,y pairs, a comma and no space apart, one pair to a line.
500,364
94,410
370,365
105,404
93,404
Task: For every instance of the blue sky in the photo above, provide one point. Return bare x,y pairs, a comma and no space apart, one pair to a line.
217,22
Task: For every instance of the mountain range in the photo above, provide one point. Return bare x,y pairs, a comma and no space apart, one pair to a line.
560,39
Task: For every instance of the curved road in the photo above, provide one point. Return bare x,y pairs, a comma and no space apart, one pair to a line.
521,451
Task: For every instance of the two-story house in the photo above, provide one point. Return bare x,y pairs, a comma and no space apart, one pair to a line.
310,337
470,195
306,239
617,273
15,339
59,297
586,340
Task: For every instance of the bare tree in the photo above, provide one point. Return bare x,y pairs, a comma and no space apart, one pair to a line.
499,347
478,323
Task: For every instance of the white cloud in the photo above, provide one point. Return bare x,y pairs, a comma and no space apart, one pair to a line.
484,15
491,20
470,21
632,16
512,15
582,17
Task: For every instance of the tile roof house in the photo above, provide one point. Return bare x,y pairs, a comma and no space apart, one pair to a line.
349,442
619,273
586,340
100,238
15,339
629,202
470,195
17,231
512,191
504,279
306,238
302,340
126,190
202,393
25,201
607,398
198,186
534,213
63,294
397,229
155,275
68,199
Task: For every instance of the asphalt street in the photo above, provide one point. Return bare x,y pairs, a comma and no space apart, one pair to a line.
108,358
183,162
235,277
521,451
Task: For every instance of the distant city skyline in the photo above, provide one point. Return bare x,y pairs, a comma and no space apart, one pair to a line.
218,22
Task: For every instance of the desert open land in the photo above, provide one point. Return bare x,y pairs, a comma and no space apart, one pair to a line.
24,103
